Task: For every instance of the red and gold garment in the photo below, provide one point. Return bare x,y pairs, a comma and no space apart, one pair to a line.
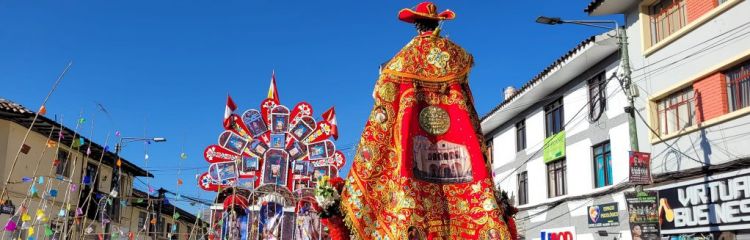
419,172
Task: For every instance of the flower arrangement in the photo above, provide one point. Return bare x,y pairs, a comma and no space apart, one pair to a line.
328,196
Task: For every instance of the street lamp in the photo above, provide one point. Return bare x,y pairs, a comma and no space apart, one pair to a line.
115,176
625,81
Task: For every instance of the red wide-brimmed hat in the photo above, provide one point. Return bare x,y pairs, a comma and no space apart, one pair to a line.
425,10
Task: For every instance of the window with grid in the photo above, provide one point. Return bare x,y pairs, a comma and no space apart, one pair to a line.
63,163
168,229
738,86
666,17
676,111
556,178
523,188
521,135
597,96
141,220
553,117
602,164
176,232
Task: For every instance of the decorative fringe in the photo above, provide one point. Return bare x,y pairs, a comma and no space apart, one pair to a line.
512,228
337,230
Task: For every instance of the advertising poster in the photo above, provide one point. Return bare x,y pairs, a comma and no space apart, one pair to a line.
640,168
604,215
721,203
643,215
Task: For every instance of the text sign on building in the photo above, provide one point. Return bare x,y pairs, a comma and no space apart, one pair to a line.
604,215
554,147
565,233
643,215
721,204
640,168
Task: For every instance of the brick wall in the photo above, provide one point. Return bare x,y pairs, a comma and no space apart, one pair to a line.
711,97
696,8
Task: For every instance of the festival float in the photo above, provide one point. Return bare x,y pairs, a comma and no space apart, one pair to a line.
265,167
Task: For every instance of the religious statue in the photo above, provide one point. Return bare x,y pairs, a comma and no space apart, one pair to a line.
419,171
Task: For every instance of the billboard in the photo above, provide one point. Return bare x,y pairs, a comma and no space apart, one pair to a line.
643,215
604,215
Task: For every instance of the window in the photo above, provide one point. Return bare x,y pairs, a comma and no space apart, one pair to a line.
554,117
597,96
666,17
602,165
488,155
63,163
676,111
160,226
738,86
141,220
521,135
168,229
556,178
176,232
523,188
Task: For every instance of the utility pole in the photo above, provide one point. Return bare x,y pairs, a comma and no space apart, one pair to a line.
162,198
628,87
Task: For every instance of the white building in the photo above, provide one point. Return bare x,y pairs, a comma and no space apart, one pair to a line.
691,67
560,143
691,61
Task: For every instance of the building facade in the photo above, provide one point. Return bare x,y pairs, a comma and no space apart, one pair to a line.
690,64
691,61
560,143
57,173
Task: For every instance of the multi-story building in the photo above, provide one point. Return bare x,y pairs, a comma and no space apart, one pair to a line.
691,62
174,222
51,175
691,72
560,142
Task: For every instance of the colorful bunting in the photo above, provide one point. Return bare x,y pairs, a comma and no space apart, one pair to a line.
119,162
86,180
73,187
123,203
88,150
25,217
51,143
183,156
81,120
31,232
145,156
176,216
27,179
11,226
53,193
179,181
139,200
61,213
48,231
41,180
42,110
117,133
79,212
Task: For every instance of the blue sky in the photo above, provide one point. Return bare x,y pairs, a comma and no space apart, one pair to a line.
164,68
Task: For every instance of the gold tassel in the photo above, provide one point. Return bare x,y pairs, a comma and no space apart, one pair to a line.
436,32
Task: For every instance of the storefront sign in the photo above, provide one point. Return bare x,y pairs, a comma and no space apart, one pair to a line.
643,215
7,207
554,147
604,215
640,168
722,203
566,233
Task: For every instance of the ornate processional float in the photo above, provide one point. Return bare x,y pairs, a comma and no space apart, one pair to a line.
265,167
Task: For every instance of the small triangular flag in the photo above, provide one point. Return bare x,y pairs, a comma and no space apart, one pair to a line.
81,120
11,226
42,110
179,181
53,193
119,162
183,156
61,213
31,232
25,217
41,180
176,216
48,231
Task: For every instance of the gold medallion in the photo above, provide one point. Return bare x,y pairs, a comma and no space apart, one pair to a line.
434,120
387,91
